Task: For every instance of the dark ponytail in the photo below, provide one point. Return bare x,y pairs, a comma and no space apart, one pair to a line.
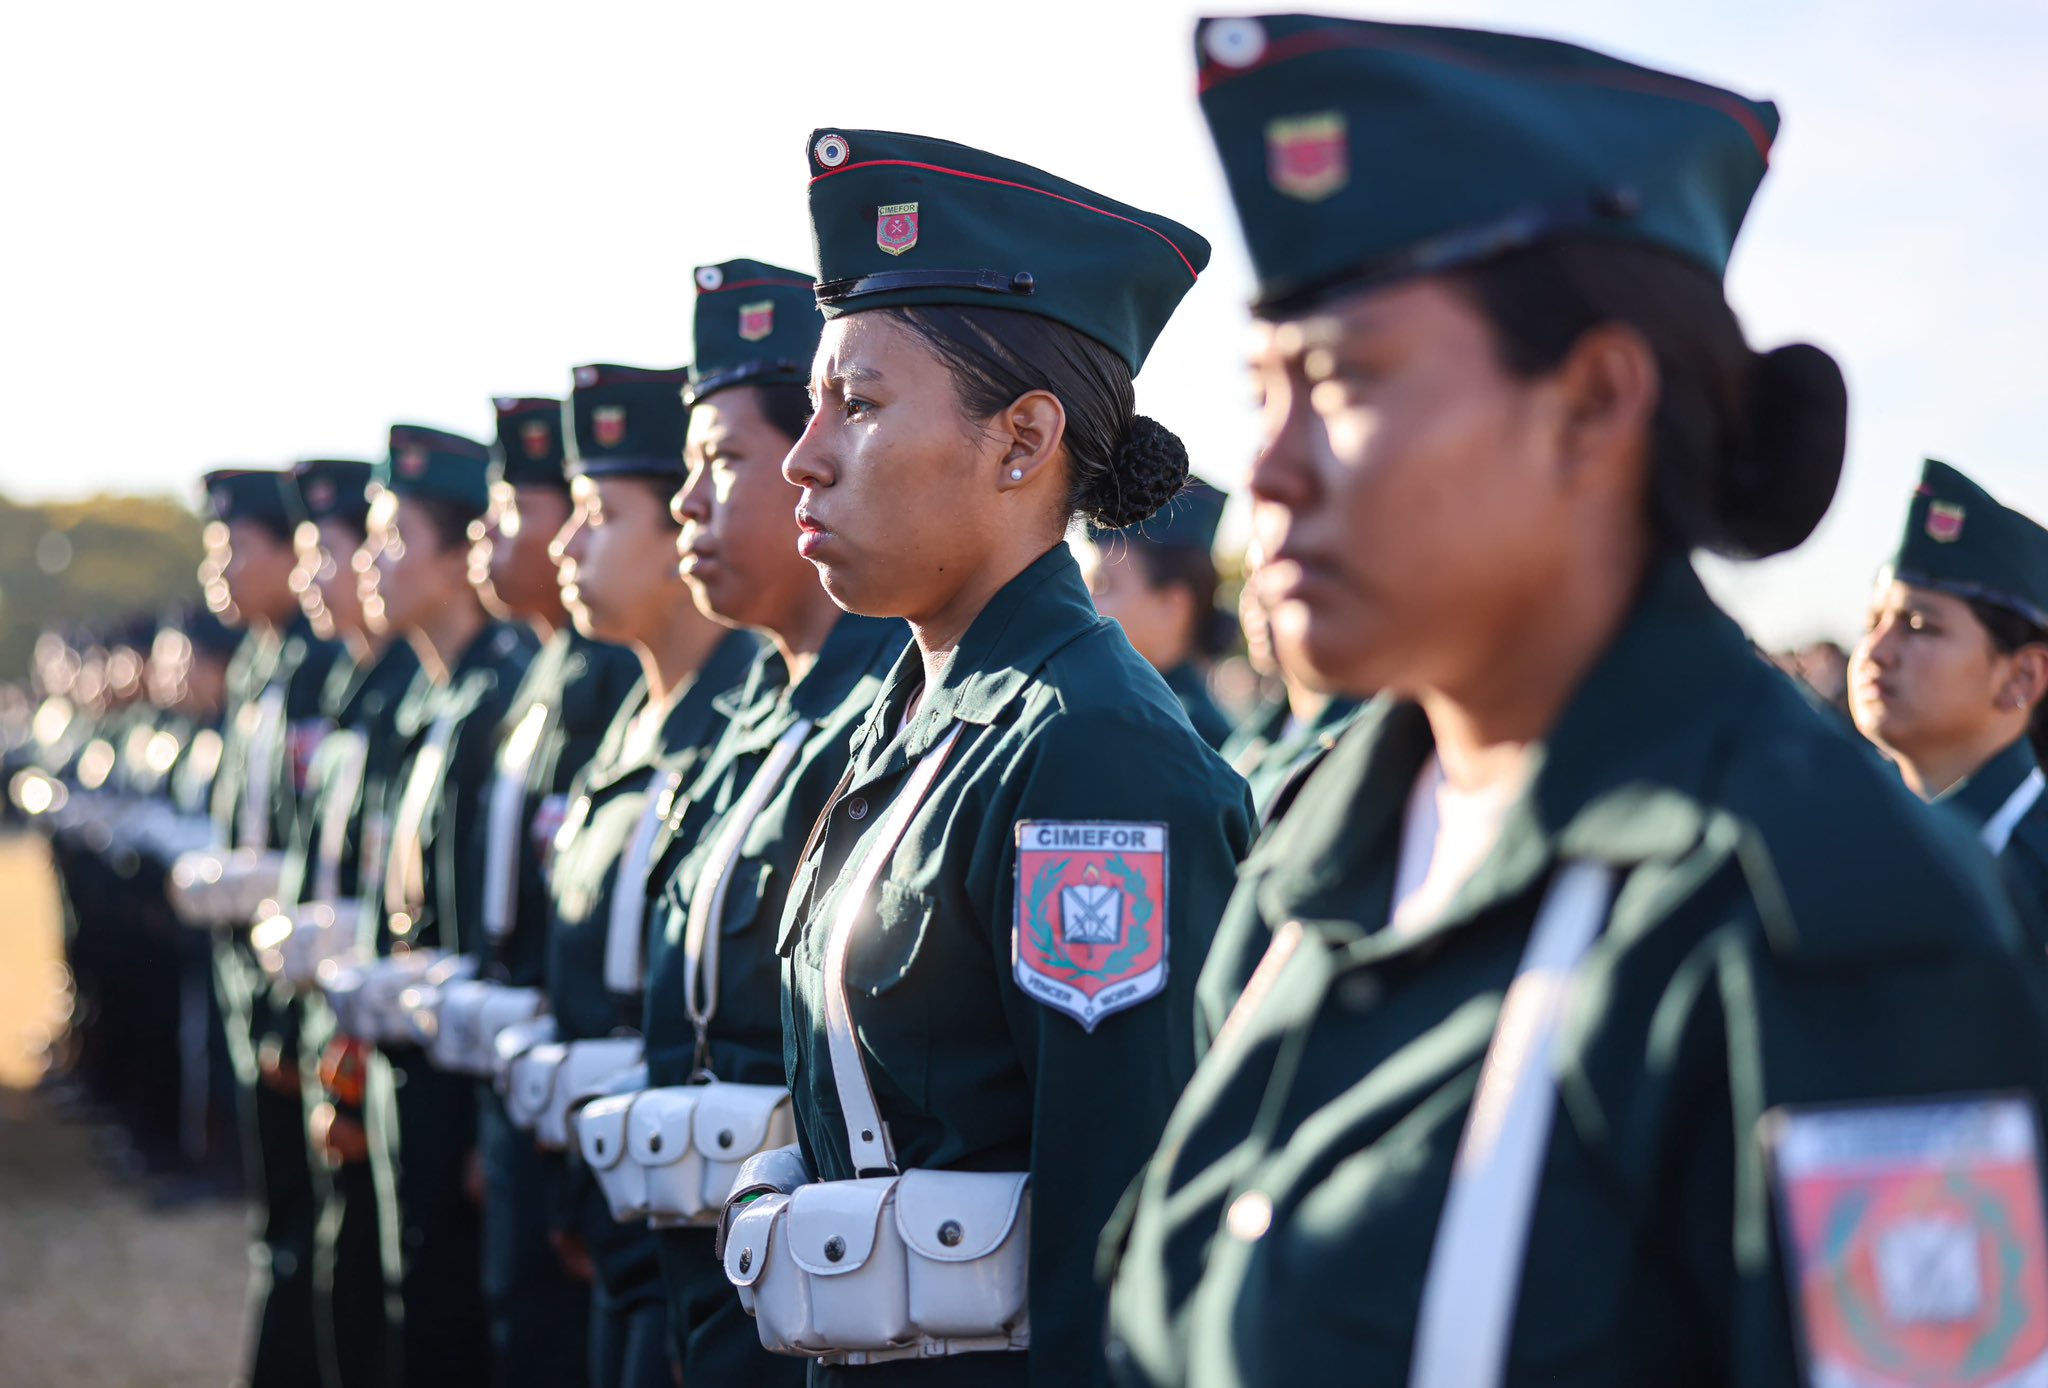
1122,466
1747,448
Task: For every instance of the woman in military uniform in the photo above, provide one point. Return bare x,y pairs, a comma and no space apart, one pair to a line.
617,566
1951,675
1596,1014
714,989
992,934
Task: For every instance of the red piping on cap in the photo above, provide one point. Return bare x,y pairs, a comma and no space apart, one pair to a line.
754,284
1006,183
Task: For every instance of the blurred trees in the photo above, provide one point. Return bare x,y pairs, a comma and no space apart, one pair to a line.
90,562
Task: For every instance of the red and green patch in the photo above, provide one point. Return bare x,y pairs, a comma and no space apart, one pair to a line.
1090,937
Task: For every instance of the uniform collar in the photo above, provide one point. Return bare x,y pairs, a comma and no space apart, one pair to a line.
1984,791
690,723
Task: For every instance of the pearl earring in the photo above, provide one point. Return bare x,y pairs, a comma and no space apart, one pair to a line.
1016,474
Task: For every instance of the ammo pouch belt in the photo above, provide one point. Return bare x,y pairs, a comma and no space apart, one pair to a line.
311,940
370,999
671,1155
473,1012
213,890
900,1265
555,1076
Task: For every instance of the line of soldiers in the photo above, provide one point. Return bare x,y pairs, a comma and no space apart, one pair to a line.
698,891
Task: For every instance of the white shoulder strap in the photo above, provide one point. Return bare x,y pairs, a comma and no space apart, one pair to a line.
867,1138
260,768
344,782
625,937
1997,830
1475,1267
405,876
707,898
506,822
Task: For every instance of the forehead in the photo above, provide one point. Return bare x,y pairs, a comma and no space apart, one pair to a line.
1415,307
1896,593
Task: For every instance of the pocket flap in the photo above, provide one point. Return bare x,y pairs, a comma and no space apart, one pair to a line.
503,1007
732,1119
589,1064
750,1237
514,1041
658,1129
883,949
601,1131
533,1079
744,897
833,1224
957,1216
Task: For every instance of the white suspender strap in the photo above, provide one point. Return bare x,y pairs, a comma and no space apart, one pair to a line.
1997,830
624,941
1475,1267
707,898
867,1139
506,822
344,782
259,768
405,876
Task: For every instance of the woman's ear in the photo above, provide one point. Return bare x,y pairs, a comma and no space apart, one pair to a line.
1610,385
1029,432
2026,685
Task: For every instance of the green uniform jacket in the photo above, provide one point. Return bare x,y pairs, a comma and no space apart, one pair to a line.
1791,928
2024,858
1063,722
1271,750
1191,687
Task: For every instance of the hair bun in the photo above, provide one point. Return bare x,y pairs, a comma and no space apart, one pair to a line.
1777,487
1149,470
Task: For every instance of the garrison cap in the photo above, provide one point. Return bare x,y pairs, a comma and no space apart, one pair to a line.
248,494
1360,153
1188,521
205,631
1961,540
627,420
905,220
329,489
529,450
435,463
756,324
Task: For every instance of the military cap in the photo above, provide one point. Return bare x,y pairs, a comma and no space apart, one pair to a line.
1360,153
529,450
434,463
1188,521
248,494
328,489
755,324
205,631
905,220
627,420
1961,540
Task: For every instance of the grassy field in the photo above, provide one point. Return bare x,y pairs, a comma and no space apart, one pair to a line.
96,1289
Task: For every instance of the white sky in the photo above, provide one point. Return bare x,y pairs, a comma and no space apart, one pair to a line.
243,232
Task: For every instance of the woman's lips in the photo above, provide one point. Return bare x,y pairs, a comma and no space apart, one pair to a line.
811,533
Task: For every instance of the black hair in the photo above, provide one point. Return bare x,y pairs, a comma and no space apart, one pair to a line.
2009,631
786,406
1190,567
1746,447
448,519
1122,466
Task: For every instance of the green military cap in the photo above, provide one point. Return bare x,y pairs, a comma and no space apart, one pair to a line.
1360,152
627,419
427,462
1188,521
529,451
756,324
328,489
1961,540
248,494
906,220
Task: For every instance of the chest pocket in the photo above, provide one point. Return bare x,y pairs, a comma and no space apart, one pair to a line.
886,940
750,887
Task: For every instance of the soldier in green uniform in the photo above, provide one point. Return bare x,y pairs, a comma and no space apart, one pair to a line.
714,992
330,861
618,567
1284,736
1157,580
1951,676
558,717
1596,1014
281,671
421,1122
991,938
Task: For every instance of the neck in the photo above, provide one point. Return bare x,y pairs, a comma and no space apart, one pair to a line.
1929,772
940,632
801,635
677,648
443,637
546,624
1304,703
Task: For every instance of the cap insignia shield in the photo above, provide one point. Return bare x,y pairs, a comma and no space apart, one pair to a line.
1308,157
1944,522
757,320
412,460
608,422
534,438
320,494
896,227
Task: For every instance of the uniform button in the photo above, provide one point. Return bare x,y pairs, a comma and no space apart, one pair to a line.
835,1249
746,1259
857,808
1251,1215
949,1233
1361,992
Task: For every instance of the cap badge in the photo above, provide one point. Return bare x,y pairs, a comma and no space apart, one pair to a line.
709,278
586,375
412,460
221,505
608,423
1235,42
1308,157
757,320
1944,522
896,227
319,494
535,438
831,150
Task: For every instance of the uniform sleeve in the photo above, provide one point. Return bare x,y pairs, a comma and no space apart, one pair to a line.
1100,1098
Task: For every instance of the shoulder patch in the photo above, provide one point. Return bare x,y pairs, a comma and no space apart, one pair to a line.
1915,1240
1090,937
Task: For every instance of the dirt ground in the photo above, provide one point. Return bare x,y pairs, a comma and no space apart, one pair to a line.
96,1289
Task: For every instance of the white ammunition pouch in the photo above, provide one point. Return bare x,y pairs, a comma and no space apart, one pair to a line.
905,1265
554,1076
510,1046
473,1012
369,999
420,1023
688,1142
214,890
312,939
